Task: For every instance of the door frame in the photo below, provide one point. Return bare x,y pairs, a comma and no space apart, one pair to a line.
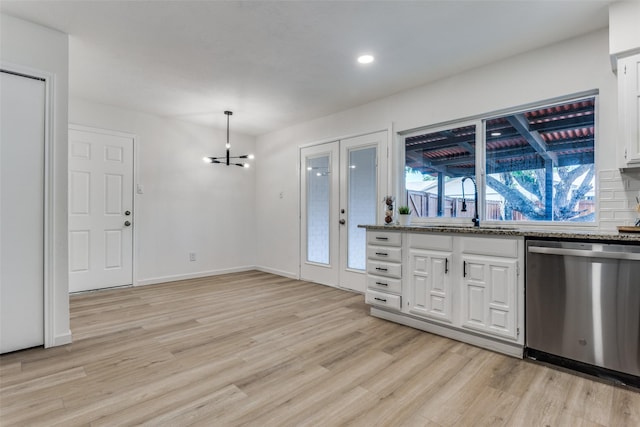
49,248
389,178
134,137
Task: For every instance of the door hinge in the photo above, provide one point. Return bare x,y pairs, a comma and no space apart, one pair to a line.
518,331
517,268
625,69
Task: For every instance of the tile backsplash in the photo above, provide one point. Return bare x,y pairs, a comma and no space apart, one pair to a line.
617,194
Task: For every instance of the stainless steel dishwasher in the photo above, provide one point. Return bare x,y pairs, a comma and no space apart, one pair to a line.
583,307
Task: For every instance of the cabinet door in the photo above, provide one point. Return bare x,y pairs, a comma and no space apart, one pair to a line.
429,285
629,103
489,297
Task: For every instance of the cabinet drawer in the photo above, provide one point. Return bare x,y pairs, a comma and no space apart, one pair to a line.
490,246
437,242
384,253
383,299
385,238
384,284
381,268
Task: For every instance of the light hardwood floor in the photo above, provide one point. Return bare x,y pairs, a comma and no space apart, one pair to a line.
254,349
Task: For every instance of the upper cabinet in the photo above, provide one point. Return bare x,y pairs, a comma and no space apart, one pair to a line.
629,110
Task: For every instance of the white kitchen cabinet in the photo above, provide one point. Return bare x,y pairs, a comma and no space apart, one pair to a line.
489,295
429,277
384,269
429,285
629,110
463,286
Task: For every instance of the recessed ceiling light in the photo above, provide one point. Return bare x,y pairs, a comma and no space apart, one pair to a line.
365,59
496,133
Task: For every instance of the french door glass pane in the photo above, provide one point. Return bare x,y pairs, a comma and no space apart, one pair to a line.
318,204
362,203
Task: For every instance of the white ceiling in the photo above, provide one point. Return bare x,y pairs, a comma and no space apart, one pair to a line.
276,63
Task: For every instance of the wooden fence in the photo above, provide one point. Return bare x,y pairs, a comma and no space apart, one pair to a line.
426,205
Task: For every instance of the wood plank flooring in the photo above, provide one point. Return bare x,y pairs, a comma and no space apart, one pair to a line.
254,349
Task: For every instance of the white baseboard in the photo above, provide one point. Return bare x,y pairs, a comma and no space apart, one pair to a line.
175,277
61,339
277,272
515,350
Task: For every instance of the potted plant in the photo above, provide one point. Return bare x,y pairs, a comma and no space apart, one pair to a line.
404,215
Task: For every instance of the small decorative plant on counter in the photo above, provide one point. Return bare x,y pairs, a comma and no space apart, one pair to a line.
404,217
388,211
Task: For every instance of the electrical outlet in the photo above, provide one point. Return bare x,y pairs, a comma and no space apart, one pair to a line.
192,256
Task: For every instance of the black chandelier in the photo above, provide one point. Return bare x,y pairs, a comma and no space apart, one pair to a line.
226,160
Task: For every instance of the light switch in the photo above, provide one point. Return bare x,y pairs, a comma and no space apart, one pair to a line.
140,189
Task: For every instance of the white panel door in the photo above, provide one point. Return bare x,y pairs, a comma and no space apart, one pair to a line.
22,157
342,185
100,210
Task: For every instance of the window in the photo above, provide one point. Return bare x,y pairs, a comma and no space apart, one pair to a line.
435,164
538,163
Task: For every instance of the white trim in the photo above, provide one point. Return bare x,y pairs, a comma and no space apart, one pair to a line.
49,248
176,277
339,138
515,350
83,128
61,339
277,272
135,163
299,228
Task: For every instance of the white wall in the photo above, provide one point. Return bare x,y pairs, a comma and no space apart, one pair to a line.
573,66
624,24
28,45
187,205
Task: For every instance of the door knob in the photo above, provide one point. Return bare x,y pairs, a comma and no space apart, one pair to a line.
127,223
127,213
342,222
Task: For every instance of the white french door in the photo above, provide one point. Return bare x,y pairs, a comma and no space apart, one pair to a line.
100,209
342,185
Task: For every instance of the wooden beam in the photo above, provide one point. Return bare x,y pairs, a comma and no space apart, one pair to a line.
422,162
521,124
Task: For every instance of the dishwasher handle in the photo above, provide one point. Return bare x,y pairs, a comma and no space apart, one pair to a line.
584,253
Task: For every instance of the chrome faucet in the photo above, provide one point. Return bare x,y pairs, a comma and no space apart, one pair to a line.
476,219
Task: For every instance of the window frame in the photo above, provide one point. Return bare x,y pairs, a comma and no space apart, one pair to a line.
480,122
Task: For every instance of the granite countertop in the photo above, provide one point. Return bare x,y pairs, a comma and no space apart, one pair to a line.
513,231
